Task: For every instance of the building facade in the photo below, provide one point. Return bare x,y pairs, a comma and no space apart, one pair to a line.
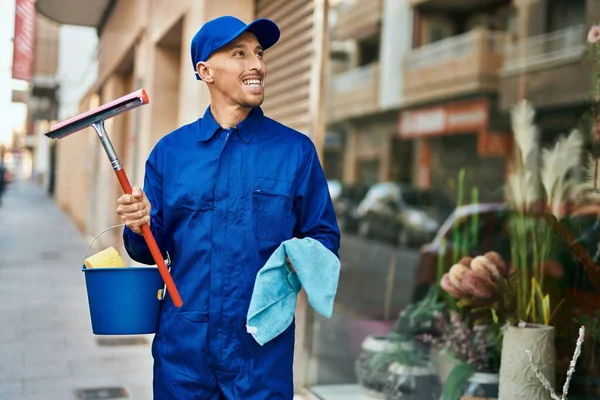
420,93
43,100
547,64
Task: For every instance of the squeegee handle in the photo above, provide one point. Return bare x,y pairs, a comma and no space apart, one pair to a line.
156,254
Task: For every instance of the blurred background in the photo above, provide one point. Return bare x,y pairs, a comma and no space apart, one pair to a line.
408,102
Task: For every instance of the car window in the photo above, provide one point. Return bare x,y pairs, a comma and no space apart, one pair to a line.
480,233
381,192
335,189
415,198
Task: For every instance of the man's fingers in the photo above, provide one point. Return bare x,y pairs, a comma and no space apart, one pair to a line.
132,208
146,203
135,223
127,199
287,259
137,192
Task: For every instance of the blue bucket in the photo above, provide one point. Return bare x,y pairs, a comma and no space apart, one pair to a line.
124,301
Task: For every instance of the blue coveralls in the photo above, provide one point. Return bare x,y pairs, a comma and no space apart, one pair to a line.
222,201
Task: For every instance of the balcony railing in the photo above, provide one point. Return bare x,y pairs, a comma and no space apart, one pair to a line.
354,93
546,50
453,5
465,63
358,20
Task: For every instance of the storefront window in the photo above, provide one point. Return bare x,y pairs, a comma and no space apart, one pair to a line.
480,267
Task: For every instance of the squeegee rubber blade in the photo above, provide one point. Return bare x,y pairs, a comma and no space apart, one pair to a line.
77,124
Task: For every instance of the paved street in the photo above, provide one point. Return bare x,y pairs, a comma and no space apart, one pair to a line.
47,349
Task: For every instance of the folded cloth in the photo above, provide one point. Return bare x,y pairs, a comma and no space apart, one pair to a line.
273,302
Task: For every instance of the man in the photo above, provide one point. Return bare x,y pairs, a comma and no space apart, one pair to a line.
221,194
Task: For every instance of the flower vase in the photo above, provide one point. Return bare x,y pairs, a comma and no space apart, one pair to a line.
373,378
412,383
481,386
517,379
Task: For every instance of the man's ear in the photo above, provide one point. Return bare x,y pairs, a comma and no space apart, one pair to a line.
204,71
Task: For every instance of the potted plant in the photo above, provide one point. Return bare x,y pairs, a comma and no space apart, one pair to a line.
411,375
486,298
537,188
475,351
478,307
371,366
378,352
490,295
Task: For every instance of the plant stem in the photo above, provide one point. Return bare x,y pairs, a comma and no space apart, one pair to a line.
440,262
475,220
522,265
459,203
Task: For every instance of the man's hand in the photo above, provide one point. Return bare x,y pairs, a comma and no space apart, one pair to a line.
287,259
290,263
134,209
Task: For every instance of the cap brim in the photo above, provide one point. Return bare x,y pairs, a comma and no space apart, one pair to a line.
266,31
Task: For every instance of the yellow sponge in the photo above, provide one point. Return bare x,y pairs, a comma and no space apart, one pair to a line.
108,258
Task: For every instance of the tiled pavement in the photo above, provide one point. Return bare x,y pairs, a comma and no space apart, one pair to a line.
47,348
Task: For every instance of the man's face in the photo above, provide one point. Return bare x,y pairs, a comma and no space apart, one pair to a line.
239,71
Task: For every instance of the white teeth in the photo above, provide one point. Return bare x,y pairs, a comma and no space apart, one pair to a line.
252,82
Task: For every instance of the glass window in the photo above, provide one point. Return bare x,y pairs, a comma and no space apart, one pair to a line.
471,211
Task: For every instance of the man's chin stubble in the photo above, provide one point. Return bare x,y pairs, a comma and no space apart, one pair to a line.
252,104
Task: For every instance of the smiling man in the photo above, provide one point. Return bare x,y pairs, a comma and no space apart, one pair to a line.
221,194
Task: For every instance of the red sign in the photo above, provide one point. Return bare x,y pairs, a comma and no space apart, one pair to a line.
446,119
24,40
494,144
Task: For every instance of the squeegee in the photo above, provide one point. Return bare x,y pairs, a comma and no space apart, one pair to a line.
95,118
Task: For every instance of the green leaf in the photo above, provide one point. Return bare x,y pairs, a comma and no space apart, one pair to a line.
546,309
494,316
453,387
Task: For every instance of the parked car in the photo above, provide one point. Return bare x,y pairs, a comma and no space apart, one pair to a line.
345,198
474,229
478,228
401,213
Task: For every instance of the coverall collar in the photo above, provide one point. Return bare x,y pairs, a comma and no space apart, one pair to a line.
246,129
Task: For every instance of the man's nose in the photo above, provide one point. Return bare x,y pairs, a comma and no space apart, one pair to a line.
255,63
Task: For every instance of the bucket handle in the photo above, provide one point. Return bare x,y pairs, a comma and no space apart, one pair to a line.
161,293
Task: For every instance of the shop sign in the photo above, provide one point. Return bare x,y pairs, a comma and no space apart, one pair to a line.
494,144
24,40
459,117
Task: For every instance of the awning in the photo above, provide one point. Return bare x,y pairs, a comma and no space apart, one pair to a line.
75,12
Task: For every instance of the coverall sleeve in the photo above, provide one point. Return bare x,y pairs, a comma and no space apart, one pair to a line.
136,244
315,216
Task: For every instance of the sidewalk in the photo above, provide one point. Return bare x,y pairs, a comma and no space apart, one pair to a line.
47,348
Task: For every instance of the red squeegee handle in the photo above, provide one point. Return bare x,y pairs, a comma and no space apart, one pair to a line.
156,254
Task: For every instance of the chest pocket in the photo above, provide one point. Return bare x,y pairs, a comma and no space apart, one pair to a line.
272,216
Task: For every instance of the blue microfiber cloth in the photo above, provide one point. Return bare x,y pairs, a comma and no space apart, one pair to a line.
273,304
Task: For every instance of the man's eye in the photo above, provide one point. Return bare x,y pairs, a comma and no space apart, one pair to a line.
238,53
259,54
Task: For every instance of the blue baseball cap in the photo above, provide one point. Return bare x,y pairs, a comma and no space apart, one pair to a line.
219,32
